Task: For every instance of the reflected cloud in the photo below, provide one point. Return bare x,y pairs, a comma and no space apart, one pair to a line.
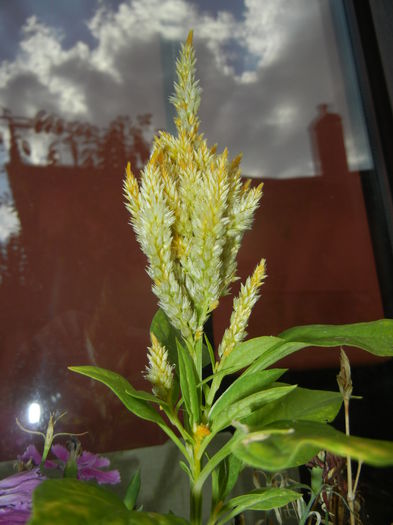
248,63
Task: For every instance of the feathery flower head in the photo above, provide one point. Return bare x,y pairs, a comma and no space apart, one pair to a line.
189,211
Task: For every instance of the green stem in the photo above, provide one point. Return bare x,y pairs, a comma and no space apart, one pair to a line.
195,507
196,491
169,432
215,460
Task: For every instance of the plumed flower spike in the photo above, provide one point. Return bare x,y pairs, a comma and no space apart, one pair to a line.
242,307
159,371
189,211
187,96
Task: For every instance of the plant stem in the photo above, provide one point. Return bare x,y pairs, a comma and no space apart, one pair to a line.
349,466
196,492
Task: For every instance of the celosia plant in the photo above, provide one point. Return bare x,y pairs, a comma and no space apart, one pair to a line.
190,210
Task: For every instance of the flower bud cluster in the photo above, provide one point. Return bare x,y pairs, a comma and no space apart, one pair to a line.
159,371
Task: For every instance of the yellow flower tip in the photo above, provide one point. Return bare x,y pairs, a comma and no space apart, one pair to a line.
129,173
260,188
213,305
202,431
246,185
236,161
153,339
155,156
213,149
189,38
259,273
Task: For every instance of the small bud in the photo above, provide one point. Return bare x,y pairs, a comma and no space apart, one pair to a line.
344,377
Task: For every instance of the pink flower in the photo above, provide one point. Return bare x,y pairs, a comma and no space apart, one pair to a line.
89,466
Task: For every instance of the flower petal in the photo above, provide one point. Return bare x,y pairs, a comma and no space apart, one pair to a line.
101,476
60,452
32,453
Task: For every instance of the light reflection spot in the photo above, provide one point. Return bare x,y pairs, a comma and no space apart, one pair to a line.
34,413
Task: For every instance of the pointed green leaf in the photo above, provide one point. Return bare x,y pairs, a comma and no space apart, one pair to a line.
133,489
301,404
247,352
188,383
228,473
123,390
376,336
269,356
74,502
245,407
244,386
260,499
299,441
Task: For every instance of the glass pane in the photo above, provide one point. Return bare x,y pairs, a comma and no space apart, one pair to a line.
83,87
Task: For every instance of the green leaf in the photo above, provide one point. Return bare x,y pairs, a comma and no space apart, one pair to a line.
133,489
123,390
247,405
301,404
66,501
210,352
269,356
74,502
188,383
244,386
288,444
376,336
228,473
261,499
247,352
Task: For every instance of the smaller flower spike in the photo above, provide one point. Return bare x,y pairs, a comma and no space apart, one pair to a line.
242,307
159,371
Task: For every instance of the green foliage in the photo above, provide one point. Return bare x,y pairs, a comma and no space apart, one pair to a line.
135,401
242,387
224,478
132,491
287,444
299,405
376,336
246,406
73,502
259,499
188,382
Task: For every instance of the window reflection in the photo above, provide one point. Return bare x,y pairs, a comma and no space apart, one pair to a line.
81,94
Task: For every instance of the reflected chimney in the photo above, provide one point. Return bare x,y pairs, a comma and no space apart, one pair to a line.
327,138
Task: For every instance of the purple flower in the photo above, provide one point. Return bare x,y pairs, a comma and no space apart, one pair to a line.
16,494
89,466
32,454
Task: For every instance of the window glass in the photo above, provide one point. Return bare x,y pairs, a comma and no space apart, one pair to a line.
83,88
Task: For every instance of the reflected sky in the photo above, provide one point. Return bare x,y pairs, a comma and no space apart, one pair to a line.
264,68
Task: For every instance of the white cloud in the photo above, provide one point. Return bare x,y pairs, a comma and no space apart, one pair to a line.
263,75
9,222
